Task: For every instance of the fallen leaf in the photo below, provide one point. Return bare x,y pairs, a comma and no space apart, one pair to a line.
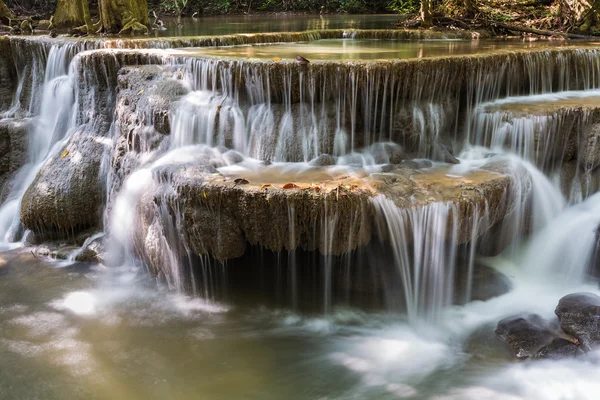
291,186
241,181
219,107
265,186
64,154
204,194
276,59
140,92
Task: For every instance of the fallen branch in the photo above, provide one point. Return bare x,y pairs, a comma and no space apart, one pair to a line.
540,31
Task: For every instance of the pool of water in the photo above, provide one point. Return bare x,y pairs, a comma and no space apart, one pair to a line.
226,25
88,332
359,49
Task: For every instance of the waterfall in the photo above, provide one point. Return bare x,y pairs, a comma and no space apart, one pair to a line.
424,243
564,248
55,120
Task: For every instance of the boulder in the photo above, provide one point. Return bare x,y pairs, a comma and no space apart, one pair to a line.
67,195
324,160
525,334
486,283
444,153
579,316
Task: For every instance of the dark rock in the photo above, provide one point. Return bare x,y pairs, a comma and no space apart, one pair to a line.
92,251
13,150
30,239
416,164
387,153
486,283
579,315
388,168
444,153
233,157
324,160
62,252
560,348
8,74
489,283
525,334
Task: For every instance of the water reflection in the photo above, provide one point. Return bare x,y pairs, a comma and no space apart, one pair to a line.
363,49
226,25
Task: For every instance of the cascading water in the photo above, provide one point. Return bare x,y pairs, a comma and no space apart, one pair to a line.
56,119
253,130
424,242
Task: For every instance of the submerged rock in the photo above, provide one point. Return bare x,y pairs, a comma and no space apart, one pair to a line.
579,315
324,160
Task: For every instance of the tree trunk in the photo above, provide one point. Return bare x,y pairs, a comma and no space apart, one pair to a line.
426,20
120,16
5,13
469,9
71,14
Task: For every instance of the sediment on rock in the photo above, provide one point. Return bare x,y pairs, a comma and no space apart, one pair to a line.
200,211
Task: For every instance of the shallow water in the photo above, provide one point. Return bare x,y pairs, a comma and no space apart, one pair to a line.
87,332
372,50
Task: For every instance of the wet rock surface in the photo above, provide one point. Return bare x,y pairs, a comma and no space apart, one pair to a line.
218,213
145,102
579,315
485,283
575,332
8,75
67,195
526,335
13,149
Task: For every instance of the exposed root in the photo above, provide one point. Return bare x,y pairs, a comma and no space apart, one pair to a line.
134,27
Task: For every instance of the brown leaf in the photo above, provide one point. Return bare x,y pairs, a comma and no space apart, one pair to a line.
265,186
291,186
241,181
64,154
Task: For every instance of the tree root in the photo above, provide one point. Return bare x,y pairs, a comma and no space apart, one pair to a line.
134,27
